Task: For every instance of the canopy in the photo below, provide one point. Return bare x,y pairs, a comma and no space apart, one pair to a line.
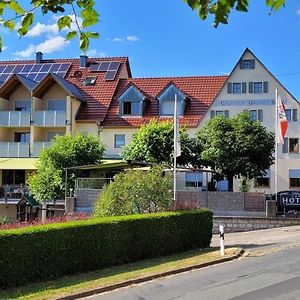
18,163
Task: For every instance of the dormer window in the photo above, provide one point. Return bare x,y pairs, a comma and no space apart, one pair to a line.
131,102
167,101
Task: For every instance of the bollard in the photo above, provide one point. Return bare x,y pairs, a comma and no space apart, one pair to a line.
222,247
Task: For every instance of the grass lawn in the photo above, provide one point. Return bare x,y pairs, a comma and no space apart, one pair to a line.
87,281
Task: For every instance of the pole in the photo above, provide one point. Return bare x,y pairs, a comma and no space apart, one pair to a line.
175,151
222,246
276,144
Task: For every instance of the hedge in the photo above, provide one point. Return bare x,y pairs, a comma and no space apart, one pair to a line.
49,251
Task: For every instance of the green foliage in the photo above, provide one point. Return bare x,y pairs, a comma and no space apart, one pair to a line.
221,9
237,146
135,191
5,220
154,143
245,185
49,251
67,151
86,9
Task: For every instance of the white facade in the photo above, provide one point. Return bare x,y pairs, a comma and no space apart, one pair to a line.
261,103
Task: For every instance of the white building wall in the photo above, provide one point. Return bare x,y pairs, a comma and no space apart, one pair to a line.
236,103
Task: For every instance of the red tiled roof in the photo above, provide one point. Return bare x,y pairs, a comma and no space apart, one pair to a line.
98,96
200,90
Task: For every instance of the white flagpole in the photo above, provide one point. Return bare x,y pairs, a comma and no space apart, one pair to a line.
175,150
276,143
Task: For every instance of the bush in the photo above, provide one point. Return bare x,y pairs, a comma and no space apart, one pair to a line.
135,191
45,252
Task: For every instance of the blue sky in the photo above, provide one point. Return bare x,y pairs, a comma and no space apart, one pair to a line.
165,38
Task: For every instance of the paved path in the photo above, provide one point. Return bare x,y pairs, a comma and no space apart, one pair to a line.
270,271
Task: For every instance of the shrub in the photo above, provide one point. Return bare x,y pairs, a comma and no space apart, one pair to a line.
44,252
135,191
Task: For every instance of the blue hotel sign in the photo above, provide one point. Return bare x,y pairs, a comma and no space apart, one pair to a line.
290,200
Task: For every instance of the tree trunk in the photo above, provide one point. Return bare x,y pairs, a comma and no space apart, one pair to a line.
44,212
230,182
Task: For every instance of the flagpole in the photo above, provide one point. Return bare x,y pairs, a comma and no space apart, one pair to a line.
276,143
175,151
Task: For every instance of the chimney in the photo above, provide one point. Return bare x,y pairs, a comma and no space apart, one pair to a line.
39,57
83,61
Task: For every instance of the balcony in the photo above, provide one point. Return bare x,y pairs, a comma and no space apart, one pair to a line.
38,146
15,118
50,118
14,149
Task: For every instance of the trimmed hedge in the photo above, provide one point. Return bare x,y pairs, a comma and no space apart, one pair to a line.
49,251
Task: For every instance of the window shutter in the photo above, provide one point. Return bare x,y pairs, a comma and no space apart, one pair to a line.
229,87
285,146
241,64
244,87
295,119
226,113
212,114
260,115
252,63
251,87
266,87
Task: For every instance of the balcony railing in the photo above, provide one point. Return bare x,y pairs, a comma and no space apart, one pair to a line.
15,118
38,146
14,149
50,118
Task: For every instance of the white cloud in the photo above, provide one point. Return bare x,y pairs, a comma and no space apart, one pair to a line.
50,45
39,29
132,38
129,38
298,11
95,53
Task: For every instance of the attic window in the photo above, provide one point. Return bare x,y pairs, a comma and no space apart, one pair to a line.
90,81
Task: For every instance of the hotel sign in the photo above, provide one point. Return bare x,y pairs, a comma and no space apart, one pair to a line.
290,200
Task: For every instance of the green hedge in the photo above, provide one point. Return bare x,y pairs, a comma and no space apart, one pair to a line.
49,251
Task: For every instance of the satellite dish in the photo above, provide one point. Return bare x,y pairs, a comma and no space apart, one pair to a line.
77,74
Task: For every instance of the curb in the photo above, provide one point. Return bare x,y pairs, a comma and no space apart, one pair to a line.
112,287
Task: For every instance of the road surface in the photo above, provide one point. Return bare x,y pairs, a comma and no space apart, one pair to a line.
271,270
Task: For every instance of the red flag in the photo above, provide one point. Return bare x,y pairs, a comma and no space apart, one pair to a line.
282,121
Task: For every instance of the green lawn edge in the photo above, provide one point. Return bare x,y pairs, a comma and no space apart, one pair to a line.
78,283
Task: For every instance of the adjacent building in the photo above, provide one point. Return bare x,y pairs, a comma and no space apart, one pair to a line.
42,98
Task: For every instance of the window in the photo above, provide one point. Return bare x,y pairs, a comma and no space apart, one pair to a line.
294,176
236,88
167,101
119,140
262,182
52,134
215,113
89,81
293,145
59,105
258,87
130,108
256,114
13,177
22,137
193,179
247,64
291,115
23,105
131,102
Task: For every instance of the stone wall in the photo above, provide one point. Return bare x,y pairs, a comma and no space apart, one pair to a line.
241,224
223,203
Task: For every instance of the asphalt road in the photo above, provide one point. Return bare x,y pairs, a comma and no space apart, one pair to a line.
271,270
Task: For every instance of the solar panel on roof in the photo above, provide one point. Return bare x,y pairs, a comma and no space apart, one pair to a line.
94,67
104,66
110,75
35,72
114,66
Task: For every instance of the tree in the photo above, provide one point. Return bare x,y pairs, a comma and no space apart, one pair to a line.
12,10
135,191
237,146
154,143
48,182
221,9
